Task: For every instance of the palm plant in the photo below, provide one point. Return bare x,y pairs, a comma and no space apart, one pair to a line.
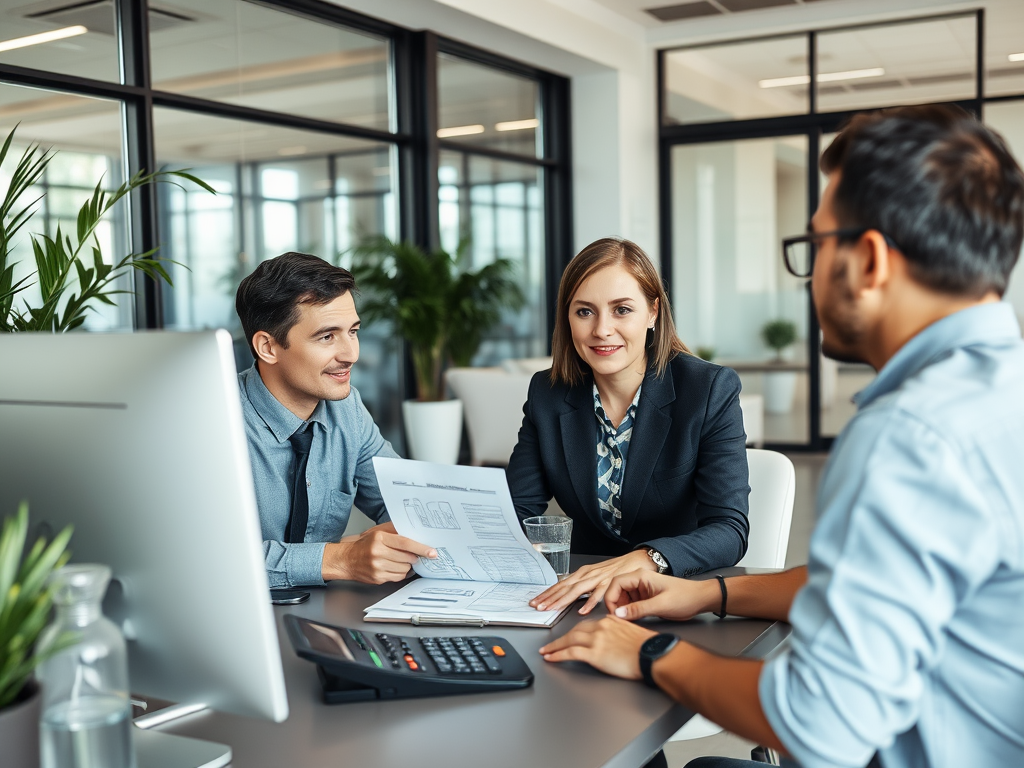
434,302
25,600
69,286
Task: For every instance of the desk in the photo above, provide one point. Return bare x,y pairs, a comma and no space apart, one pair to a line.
571,715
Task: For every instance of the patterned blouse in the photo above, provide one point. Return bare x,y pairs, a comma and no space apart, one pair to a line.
612,447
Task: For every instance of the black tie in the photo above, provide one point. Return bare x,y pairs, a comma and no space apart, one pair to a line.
301,441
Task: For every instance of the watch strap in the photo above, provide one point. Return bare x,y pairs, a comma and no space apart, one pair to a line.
648,656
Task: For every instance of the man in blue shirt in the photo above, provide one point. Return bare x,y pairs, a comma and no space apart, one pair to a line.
311,439
908,628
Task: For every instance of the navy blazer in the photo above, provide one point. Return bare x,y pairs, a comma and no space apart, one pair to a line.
685,489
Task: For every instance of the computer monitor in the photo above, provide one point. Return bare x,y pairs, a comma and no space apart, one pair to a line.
138,441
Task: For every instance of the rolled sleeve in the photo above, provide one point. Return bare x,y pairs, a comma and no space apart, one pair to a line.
294,565
903,539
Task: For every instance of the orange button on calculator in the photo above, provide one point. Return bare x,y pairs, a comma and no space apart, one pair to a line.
497,650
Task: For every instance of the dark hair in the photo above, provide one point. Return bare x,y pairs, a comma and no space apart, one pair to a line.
941,185
268,299
567,365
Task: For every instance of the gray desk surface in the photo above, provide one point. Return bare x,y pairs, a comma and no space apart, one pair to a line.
571,715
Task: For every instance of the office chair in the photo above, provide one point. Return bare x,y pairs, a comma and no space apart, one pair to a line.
492,401
772,491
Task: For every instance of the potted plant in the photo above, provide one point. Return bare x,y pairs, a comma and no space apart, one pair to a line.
442,309
70,283
779,386
25,600
705,353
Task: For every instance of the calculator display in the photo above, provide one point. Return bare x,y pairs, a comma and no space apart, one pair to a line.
326,640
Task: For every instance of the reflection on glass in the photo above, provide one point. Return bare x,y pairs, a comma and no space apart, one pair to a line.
906,63
249,54
485,107
268,202
70,38
732,203
736,81
85,133
494,209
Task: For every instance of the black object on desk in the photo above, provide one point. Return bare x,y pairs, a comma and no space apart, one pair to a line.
358,665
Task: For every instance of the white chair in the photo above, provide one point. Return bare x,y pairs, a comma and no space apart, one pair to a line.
752,407
529,365
772,491
492,404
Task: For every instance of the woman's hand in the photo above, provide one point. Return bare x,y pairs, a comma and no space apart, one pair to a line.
593,579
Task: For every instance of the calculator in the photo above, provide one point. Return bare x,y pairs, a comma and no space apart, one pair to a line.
360,665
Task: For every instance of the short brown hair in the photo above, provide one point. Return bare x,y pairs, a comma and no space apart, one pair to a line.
567,365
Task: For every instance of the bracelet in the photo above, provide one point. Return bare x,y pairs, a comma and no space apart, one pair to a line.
721,583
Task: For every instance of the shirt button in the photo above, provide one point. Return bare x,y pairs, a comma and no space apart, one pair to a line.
308,484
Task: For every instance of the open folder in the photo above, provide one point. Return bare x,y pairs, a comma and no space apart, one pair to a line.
486,570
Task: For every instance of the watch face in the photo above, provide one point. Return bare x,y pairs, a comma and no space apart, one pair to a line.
657,645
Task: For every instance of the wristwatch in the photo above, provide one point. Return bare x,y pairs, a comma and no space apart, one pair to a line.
659,559
652,650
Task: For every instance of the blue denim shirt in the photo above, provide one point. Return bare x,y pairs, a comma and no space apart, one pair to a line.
908,638
339,474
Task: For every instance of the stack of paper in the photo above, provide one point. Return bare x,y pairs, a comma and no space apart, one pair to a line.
486,570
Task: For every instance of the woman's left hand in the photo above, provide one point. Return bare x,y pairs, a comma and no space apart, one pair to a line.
593,579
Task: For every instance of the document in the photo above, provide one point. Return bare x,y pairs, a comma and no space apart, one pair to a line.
486,569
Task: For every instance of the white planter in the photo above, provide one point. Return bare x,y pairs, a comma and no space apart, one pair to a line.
433,431
779,388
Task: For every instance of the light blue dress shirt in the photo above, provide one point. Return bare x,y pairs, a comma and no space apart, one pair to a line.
338,475
908,638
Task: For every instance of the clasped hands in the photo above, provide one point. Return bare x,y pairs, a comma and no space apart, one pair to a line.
612,644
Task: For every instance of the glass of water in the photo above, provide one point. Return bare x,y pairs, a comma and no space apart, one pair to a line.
550,535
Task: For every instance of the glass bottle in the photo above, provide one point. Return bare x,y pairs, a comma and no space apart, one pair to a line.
86,707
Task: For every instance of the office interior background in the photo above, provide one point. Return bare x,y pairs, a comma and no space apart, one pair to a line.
525,129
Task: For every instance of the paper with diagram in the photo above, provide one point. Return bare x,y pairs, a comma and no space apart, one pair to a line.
485,567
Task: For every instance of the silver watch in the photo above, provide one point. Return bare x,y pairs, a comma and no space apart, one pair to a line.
659,559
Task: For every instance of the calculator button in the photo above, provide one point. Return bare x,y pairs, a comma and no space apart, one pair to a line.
498,650
376,659
492,666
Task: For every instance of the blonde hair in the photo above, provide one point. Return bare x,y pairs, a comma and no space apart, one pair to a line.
567,365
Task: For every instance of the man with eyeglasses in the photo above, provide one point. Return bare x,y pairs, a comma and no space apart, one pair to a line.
908,621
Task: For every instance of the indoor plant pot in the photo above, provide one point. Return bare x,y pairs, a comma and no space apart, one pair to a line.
19,728
433,430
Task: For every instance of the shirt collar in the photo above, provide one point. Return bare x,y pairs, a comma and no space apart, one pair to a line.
630,411
279,420
984,323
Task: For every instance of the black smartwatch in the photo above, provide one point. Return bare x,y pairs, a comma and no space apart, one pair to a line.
652,650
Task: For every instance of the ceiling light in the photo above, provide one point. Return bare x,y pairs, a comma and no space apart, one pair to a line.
824,77
459,130
517,125
1016,57
42,37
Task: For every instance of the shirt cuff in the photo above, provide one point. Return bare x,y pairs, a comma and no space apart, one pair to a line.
304,564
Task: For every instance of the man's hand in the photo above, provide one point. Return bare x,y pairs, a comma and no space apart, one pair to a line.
593,579
375,556
611,645
642,593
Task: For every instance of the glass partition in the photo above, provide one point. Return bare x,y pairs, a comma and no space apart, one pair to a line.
494,209
903,63
256,56
73,38
731,204
85,135
484,107
737,81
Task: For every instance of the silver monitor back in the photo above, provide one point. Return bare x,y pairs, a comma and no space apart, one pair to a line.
138,441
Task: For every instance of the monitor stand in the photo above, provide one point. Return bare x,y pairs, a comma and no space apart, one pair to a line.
166,750
154,749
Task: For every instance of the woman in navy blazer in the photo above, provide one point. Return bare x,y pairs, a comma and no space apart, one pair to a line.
640,442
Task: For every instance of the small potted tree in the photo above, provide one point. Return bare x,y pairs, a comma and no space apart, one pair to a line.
442,309
779,386
24,610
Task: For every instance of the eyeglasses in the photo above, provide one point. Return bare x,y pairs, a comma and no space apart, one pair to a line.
798,251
